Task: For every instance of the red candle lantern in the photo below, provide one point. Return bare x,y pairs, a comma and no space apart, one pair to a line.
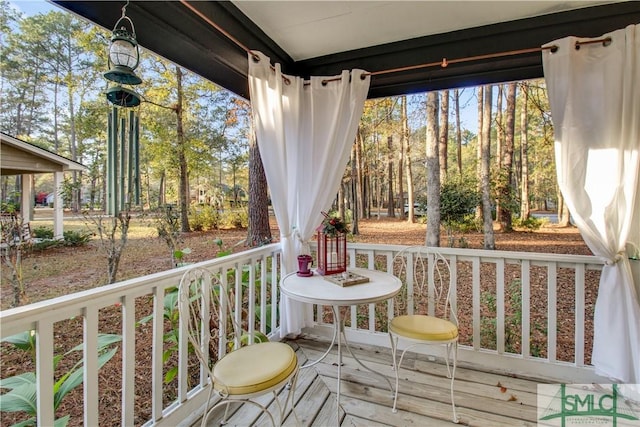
332,246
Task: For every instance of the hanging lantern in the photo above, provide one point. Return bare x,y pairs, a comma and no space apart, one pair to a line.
123,130
332,246
124,55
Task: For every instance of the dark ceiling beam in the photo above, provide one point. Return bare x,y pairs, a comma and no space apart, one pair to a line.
490,39
171,30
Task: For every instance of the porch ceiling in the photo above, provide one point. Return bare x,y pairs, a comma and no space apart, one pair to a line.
325,37
18,157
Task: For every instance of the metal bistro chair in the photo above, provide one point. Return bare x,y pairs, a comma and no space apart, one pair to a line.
422,266
238,373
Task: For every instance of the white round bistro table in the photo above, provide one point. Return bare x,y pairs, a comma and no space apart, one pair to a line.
317,290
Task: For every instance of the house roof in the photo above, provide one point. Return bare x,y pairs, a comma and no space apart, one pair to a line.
325,37
20,157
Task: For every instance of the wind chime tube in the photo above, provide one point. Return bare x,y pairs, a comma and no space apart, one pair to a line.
112,151
107,196
122,171
129,196
136,160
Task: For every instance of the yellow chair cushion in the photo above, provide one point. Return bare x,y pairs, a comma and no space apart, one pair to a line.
426,328
254,368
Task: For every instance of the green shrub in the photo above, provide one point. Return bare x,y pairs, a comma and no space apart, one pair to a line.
458,200
470,224
236,218
204,218
76,238
529,224
9,207
47,243
42,232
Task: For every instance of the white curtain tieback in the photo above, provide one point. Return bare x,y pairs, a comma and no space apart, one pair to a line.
619,257
290,234
293,234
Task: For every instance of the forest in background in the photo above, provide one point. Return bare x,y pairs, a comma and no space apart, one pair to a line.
412,150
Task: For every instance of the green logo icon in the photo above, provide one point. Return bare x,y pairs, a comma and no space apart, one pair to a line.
586,404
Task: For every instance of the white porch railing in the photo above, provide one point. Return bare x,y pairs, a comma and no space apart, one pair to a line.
507,307
506,302
250,274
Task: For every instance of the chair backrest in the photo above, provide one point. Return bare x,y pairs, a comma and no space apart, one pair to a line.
429,284
206,316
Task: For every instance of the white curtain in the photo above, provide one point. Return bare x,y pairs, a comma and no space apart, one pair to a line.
305,134
594,93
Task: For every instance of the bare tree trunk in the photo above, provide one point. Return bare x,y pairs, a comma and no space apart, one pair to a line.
56,125
355,207
73,143
444,134
161,189
379,175
500,126
359,199
407,148
566,215
525,209
489,240
479,148
147,181
433,172
183,196
499,142
340,200
456,97
391,212
259,232
401,176
506,175
563,211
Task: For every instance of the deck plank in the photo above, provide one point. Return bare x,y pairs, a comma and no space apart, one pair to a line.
327,415
310,403
482,398
351,420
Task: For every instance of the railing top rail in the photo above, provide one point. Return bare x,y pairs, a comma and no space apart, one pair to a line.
137,286
67,303
489,254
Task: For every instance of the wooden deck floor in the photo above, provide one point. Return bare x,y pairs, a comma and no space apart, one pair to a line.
482,399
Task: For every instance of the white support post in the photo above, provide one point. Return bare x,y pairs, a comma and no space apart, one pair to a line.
58,212
26,199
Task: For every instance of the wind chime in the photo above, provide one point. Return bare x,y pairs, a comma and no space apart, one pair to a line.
123,128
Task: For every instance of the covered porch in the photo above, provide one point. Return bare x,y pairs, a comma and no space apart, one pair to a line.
487,364
24,159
